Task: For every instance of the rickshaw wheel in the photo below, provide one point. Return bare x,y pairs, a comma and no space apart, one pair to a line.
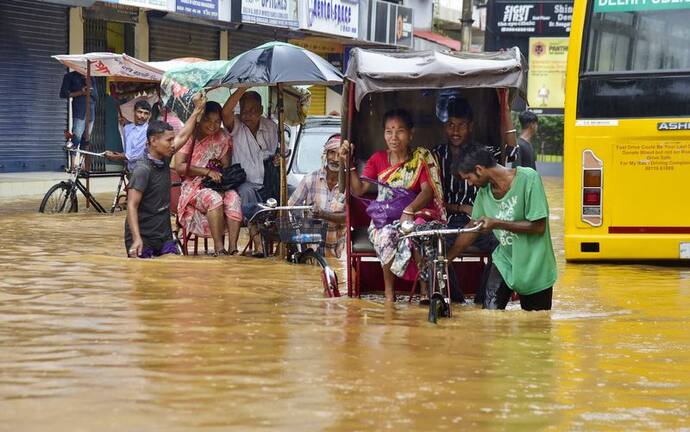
310,257
59,199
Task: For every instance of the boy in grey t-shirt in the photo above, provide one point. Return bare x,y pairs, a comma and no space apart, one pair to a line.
147,229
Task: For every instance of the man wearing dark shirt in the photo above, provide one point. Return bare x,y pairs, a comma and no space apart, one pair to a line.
459,194
147,228
74,86
525,156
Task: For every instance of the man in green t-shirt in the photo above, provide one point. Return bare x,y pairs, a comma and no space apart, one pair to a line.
512,204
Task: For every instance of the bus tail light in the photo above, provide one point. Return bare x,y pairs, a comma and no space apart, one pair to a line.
592,187
592,197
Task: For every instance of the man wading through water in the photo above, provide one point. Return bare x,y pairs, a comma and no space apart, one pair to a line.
512,204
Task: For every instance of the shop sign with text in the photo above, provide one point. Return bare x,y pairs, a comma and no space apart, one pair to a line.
148,4
280,13
335,17
639,5
200,8
532,18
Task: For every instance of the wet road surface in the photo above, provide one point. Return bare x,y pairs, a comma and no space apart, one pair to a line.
90,340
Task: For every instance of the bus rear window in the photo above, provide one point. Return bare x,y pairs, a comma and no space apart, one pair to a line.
629,36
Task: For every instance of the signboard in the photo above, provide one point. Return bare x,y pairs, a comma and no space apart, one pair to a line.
200,8
335,17
533,18
638,5
391,24
279,13
148,4
546,79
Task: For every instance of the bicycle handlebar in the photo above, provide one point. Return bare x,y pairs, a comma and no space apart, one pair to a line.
267,208
443,231
102,154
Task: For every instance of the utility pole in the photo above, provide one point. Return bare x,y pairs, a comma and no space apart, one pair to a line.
466,25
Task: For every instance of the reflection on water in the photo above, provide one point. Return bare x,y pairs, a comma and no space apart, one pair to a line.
90,340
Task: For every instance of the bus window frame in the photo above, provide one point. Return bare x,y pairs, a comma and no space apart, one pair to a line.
584,55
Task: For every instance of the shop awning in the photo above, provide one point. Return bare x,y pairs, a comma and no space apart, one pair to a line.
439,39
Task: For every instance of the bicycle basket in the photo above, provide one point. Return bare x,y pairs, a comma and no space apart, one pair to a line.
302,231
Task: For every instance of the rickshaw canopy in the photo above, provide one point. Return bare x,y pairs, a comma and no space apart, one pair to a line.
121,67
382,71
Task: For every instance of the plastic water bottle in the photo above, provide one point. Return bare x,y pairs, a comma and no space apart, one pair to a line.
307,238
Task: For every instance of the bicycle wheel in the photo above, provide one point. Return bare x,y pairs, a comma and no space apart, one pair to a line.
437,308
330,282
120,203
329,279
60,198
311,257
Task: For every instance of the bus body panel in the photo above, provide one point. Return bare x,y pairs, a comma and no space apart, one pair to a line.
644,201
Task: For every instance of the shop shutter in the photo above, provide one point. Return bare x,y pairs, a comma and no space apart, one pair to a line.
32,116
170,39
318,100
241,41
95,40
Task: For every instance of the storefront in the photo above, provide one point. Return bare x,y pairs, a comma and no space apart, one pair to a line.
331,26
32,116
261,21
107,28
323,99
540,29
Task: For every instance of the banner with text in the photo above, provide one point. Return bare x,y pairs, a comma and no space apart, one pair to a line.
281,13
546,78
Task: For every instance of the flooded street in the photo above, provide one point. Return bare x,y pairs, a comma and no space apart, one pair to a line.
90,340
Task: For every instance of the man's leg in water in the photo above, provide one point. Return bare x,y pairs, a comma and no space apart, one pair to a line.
497,294
485,243
537,301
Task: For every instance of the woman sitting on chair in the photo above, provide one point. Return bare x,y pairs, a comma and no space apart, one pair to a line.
203,211
398,167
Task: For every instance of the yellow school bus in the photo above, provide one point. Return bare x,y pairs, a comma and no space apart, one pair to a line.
627,131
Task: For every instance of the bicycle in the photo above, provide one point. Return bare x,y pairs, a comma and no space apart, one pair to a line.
298,232
430,240
62,197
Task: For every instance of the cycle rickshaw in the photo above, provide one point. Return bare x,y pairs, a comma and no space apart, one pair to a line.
377,81
129,78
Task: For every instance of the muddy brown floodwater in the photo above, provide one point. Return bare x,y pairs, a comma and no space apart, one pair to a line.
93,341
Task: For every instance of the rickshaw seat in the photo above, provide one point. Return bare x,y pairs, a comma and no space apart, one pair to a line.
181,233
360,242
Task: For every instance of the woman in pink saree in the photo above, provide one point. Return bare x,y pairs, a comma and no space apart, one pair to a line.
203,211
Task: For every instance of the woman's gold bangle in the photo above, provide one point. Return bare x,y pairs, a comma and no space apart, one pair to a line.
353,168
408,212
510,131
